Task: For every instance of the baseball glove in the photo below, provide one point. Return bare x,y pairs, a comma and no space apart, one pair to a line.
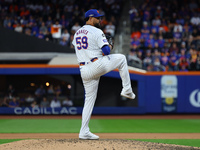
110,40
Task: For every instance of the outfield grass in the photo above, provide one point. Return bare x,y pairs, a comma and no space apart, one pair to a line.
100,125
106,126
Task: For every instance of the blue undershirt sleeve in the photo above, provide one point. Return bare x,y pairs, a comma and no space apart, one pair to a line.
106,49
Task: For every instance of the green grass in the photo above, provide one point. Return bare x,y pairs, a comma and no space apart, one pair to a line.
2,141
186,142
39,125
100,125
106,126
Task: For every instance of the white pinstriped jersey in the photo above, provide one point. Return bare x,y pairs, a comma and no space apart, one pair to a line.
88,42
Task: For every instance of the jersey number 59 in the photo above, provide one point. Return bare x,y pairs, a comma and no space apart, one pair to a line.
82,42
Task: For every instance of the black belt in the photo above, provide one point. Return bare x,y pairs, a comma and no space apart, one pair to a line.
92,60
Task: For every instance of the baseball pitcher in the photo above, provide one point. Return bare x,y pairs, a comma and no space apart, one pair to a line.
93,54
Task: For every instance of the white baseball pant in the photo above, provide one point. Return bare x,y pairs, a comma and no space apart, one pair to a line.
91,74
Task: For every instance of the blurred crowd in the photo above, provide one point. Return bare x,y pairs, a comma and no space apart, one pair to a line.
51,96
56,20
165,35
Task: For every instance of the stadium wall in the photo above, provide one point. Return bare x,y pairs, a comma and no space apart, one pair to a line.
158,92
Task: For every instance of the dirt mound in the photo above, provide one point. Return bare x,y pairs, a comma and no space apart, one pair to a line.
102,144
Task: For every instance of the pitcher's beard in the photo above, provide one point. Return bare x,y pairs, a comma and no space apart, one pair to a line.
97,25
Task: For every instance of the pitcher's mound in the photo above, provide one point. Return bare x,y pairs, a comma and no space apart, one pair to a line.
102,144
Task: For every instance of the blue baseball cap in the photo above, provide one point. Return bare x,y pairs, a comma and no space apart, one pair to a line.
92,13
